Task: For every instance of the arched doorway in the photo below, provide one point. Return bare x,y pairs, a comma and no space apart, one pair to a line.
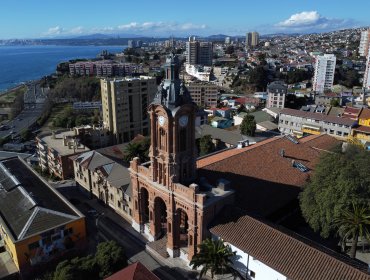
160,217
144,205
183,227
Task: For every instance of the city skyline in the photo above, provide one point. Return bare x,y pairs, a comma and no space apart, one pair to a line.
31,19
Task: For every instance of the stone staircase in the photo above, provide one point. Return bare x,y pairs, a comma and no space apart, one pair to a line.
159,246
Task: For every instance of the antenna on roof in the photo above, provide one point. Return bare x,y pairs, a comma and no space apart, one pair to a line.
282,152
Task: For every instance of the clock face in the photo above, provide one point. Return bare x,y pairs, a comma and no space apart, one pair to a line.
183,120
161,120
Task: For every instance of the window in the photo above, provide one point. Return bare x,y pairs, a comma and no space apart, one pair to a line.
33,246
252,274
68,231
182,140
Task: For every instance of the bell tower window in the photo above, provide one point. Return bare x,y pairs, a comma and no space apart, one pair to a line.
182,140
162,139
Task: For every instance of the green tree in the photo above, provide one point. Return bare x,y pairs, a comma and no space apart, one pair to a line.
248,125
137,148
214,256
110,258
26,135
353,224
206,145
340,178
334,103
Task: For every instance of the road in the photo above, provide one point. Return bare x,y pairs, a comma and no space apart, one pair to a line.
110,226
34,100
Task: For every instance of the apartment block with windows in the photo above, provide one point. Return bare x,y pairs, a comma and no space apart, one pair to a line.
298,123
54,150
276,94
324,72
205,95
125,102
364,43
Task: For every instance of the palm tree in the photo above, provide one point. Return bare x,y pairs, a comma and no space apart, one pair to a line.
354,224
215,256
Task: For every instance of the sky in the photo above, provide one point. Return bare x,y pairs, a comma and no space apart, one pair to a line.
162,18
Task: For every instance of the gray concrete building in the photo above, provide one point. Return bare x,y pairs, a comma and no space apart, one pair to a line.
199,53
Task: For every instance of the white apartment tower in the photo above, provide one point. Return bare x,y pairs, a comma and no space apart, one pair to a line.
125,104
324,72
364,43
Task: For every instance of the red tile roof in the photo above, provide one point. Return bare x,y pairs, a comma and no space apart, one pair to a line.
350,112
362,128
264,180
291,255
365,114
135,271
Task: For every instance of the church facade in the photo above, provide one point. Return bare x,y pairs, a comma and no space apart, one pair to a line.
167,201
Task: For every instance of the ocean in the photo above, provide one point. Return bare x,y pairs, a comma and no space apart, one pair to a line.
24,63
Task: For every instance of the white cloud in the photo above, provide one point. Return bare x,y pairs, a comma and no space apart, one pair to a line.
145,28
312,21
52,31
301,19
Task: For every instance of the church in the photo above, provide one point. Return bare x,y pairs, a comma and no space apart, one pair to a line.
169,202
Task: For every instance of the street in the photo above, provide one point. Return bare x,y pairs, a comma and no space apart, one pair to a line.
34,100
105,224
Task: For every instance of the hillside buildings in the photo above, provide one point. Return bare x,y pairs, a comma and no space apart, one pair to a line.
364,42
125,102
199,52
54,151
324,72
252,39
276,94
37,224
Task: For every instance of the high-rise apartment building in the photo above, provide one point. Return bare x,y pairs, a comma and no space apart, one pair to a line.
364,42
366,83
252,39
199,53
205,95
324,72
125,103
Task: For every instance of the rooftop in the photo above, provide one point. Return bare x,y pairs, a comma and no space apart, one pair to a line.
28,205
286,252
135,271
64,143
260,169
318,116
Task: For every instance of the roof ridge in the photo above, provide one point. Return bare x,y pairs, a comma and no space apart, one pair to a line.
234,153
29,222
308,243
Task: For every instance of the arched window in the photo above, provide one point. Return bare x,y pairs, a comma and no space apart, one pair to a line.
162,139
182,140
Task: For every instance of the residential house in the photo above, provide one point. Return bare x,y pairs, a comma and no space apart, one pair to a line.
101,174
37,224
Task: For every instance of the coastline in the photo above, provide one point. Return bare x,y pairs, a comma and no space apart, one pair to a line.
29,64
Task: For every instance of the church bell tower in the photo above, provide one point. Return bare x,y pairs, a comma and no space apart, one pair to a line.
172,116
